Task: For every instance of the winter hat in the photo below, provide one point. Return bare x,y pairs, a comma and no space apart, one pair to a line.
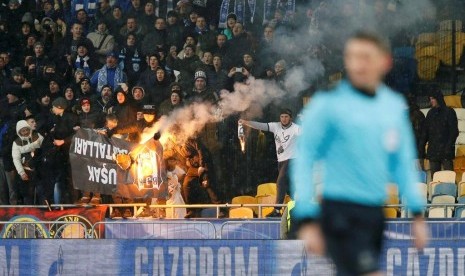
171,14
175,87
138,87
148,109
79,70
13,92
27,18
200,75
84,79
22,124
85,101
286,111
112,54
60,103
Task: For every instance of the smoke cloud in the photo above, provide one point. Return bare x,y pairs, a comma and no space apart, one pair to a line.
302,47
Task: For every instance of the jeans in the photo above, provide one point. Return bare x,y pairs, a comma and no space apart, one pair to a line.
436,166
282,182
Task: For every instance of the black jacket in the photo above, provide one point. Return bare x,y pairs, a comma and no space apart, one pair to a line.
440,131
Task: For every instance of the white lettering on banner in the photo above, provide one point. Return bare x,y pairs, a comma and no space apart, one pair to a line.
9,266
102,175
240,267
413,266
224,261
446,262
189,261
461,261
206,261
175,252
158,261
432,254
96,149
141,260
393,258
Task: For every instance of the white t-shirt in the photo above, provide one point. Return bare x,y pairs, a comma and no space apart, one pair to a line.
285,139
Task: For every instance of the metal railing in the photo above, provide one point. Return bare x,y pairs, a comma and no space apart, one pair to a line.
240,230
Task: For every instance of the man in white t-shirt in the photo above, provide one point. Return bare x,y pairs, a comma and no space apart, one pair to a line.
285,134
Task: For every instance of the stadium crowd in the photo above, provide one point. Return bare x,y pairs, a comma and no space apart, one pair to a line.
66,65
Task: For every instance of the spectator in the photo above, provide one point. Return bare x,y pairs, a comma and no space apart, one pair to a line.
185,66
138,94
230,22
148,17
90,117
116,22
104,12
89,7
36,63
417,118
202,92
248,63
219,76
155,38
131,59
18,85
86,90
239,44
105,101
174,31
136,9
174,102
102,40
125,112
54,89
266,53
440,132
83,19
205,37
132,26
85,61
68,48
148,78
71,97
221,46
24,146
160,90
109,74
191,40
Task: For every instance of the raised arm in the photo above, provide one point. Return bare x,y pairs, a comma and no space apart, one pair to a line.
255,125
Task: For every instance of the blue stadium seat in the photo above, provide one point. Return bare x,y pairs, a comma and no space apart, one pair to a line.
445,189
461,200
459,212
423,176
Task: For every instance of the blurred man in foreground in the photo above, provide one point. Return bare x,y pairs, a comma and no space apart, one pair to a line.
361,134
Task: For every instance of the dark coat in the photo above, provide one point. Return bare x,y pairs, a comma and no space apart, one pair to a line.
440,132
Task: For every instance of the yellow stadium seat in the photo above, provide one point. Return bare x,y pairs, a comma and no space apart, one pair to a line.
392,190
444,43
390,213
242,212
427,67
426,38
460,151
287,198
461,191
246,200
266,189
446,25
453,101
270,199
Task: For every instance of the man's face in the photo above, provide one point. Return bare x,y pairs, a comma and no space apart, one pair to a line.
85,86
111,124
56,110
201,23
217,61
86,108
78,76
106,92
285,119
365,63
188,52
190,41
138,95
76,30
278,68
81,16
148,9
193,17
102,27
172,20
200,84
237,29
160,75
120,97
5,57
131,24
153,62
69,94
268,33
11,98
221,40
50,70
149,117
45,100
117,13
434,102
32,123
25,132
175,99
26,29
139,115
39,50
160,24
131,40
54,87
248,60
31,41
18,78
207,58
111,61
82,51
231,22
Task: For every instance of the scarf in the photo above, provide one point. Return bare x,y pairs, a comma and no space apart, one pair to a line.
224,11
81,63
239,10
102,77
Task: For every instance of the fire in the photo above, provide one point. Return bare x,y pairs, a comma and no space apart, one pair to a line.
241,136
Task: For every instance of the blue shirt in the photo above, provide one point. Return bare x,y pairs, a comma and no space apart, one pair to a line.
363,144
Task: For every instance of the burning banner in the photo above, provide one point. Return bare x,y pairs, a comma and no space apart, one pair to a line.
115,166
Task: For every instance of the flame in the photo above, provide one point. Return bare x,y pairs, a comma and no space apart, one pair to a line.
242,141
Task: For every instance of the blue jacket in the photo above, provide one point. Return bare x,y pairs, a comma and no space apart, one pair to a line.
363,144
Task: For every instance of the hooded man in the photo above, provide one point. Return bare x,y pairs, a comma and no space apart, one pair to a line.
23,152
202,92
175,100
440,130
105,102
89,118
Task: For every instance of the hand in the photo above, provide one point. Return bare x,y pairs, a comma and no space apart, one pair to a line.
420,233
245,72
27,84
76,128
101,131
68,59
232,72
242,122
201,170
24,177
124,86
313,238
58,142
269,73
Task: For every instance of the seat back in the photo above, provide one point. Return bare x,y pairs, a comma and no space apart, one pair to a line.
246,200
270,199
445,189
444,176
443,199
390,213
241,212
266,189
437,212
